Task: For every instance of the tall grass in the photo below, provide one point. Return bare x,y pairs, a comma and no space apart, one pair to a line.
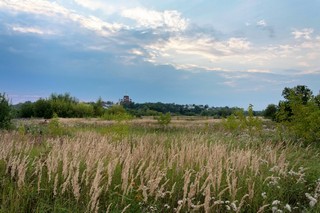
191,170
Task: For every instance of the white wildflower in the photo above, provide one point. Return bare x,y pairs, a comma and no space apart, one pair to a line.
312,200
264,195
166,206
180,202
218,202
288,207
274,209
234,206
276,202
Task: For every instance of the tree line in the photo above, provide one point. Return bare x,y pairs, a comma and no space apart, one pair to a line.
66,106
63,105
299,111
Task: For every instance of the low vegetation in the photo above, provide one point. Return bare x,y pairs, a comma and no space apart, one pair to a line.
117,163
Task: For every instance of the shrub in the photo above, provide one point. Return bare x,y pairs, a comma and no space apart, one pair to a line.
116,112
164,119
5,112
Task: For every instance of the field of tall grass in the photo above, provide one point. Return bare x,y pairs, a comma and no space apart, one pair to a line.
137,166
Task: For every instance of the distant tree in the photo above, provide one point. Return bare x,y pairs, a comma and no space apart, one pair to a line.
26,110
98,108
270,111
301,93
43,109
5,112
297,95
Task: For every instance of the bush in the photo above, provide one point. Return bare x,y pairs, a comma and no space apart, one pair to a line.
5,112
116,112
164,119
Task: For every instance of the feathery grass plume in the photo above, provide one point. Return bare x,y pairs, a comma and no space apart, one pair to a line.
38,171
66,183
161,193
125,208
75,181
55,185
251,190
186,182
108,207
242,202
22,169
96,189
125,173
207,199
261,209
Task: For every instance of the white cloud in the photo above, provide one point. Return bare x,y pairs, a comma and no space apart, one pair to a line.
304,33
97,5
238,44
200,52
262,23
136,52
33,30
234,54
170,20
53,9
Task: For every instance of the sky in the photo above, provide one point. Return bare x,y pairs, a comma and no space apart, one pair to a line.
220,53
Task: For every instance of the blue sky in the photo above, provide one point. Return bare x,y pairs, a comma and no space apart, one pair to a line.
221,53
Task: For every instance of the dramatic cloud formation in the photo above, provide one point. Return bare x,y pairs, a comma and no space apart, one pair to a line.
133,43
169,20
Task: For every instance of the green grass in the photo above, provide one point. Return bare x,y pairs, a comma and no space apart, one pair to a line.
297,174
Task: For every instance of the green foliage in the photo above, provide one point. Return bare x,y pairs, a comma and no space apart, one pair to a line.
98,108
82,110
300,113
55,128
270,111
116,112
164,119
231,123
238,122
5,112
63,105
26,110
301,92
43,109
305,123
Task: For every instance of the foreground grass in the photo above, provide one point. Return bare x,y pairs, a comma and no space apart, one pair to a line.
139,167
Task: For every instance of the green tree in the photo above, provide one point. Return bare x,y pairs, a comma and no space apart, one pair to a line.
26,110
270,111
297,95
302,92
300,112
98,108
5,112
43,109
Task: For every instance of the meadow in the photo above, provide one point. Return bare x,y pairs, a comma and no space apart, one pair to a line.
191,165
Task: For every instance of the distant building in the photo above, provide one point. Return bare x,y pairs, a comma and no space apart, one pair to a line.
126,100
